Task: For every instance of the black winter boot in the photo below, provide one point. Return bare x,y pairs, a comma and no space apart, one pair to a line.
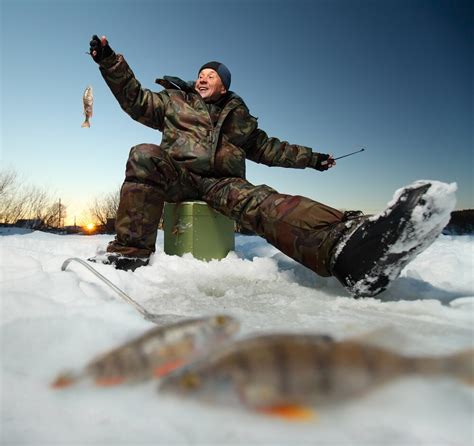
119,261
370,257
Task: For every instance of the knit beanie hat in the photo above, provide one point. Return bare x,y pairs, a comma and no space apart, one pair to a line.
221,70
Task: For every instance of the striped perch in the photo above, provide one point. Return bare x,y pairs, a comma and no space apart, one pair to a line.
155,353
288,375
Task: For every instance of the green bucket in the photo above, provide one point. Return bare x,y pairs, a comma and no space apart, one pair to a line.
194,227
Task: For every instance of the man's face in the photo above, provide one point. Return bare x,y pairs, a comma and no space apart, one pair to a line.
209,85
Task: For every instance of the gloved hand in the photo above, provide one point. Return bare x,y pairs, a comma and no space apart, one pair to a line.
99,48
321,161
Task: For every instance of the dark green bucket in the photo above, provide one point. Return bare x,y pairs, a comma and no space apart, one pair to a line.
194,227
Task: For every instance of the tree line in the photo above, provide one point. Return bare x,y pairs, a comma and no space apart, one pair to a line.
20,201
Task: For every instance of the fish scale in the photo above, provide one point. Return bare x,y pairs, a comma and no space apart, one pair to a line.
155,353
286,374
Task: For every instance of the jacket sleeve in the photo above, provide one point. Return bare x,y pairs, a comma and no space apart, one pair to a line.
141,104
263,149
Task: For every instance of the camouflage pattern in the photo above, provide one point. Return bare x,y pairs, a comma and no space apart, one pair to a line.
151,178
202,157
304,229
206,139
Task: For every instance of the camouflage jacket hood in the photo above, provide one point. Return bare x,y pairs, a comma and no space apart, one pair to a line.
208,139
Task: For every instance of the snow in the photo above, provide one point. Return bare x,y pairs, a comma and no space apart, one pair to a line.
438,203
53,320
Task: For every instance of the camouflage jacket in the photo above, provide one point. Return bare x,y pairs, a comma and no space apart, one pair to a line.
207,139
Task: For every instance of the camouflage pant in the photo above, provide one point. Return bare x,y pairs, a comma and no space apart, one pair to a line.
305,230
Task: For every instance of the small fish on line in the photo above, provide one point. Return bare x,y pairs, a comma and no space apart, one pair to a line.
87,104
291,375
154,354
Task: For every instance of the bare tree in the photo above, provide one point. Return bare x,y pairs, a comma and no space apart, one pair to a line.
12,198
19,200
8,187
55,215
105,207
8,178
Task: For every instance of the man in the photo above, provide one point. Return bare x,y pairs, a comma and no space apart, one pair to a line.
208,133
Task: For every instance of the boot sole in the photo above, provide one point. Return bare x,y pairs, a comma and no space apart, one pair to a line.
412,222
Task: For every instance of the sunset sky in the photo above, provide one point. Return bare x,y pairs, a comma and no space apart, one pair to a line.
393,76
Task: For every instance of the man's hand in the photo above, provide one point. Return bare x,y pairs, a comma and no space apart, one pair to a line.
321,161
99,48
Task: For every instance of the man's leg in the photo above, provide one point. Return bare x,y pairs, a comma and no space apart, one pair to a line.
365,254
303,229
151,177
137,220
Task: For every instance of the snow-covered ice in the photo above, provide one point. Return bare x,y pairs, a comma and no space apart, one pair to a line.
53,320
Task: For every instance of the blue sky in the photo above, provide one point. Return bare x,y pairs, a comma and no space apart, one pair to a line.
393,76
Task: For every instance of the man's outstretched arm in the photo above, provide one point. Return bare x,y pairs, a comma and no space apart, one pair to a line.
140,103
273,152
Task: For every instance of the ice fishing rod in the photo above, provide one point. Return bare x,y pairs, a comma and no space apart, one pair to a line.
156,318
349,154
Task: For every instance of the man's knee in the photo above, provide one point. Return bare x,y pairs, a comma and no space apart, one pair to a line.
234,197
143,160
